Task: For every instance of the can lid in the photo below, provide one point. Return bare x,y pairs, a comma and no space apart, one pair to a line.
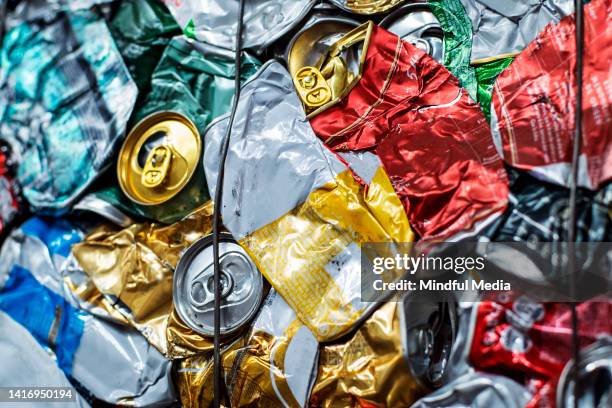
241,286
158,158
308,46
594,375
336,72
417,24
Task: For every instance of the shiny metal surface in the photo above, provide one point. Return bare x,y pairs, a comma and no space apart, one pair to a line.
595,377
91,203
476,389
215,21
158,158
319,32
193,294
367,6
295,206
502,27
415,23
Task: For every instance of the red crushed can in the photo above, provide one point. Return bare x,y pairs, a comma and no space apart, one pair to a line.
531,342
534,102
431,138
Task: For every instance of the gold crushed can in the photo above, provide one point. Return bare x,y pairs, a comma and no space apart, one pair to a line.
159,167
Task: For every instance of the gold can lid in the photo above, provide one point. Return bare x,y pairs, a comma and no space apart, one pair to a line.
158,158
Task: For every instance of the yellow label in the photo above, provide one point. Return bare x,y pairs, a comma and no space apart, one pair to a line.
297,251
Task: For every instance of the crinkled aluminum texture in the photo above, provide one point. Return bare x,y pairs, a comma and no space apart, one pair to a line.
194,375
477,390
273,364
531,342
369,369
457,41
431,138
216,21
112,361
296,208
196,80
25,362
539,211
20,11
64,104
533,120
367,6
507,26
136,266
277,365
142,29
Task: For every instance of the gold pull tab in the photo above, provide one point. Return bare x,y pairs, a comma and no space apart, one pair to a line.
156,166
312,87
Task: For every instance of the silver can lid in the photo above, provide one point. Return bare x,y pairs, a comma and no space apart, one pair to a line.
416,23
594,376
241,286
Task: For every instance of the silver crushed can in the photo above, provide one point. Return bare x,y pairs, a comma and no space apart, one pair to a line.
415,23
242,286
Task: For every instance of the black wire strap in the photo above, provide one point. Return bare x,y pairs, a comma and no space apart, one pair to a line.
219,383
578,6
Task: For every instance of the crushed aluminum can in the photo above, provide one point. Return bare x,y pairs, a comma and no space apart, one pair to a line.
316,214
114,363
316,34
486,74
206,78
457,41
335,73
385,362
216,21
279,348
477,390
532,119
133,268
595,377
531,342
142,29
242,286
414,22
195,374
91,203
503,28
539,212
457,195
481,37
367,6
10,201
159,166
64,104
25,363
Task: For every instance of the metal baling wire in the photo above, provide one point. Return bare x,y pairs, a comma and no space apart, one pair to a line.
217,387
579,19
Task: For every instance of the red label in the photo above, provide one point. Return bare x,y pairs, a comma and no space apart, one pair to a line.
534,101
431,138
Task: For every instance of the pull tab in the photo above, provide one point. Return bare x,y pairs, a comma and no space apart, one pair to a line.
203,290
312,87
156,166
